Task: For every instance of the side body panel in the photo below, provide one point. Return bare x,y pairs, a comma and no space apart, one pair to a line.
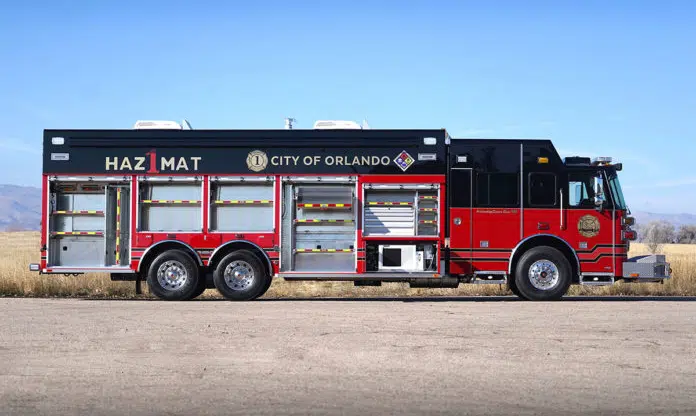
203,157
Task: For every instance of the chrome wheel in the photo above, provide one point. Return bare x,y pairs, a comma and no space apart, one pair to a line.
172,275
238,275
544,275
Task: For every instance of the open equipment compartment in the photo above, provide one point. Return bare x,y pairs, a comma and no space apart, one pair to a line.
392,214
319,227
241,204
170,204
89,223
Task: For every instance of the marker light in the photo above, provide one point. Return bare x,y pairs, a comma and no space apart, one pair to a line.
629,220
542,160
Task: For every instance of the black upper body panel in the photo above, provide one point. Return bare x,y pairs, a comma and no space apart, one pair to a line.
237,152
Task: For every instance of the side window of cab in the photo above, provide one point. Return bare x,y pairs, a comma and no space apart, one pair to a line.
581,189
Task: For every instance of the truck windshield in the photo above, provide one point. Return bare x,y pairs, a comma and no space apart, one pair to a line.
616,191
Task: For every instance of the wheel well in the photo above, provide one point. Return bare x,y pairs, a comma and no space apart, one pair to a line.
224,250
160,248
549,241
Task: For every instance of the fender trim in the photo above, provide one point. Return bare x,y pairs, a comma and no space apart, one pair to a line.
265,255
197,257
512,256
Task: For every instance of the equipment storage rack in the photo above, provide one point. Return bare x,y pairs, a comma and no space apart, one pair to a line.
324,228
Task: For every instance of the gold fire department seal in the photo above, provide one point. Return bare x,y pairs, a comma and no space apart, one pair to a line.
257,160
588,226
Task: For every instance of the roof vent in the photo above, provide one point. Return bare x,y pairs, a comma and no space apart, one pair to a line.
336,124
157,124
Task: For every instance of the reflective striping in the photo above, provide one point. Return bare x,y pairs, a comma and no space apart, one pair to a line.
323,250
427,221
427,209
322,221
324,205
427,197
390,203
77,233
88,212
166,201
118,225
244,202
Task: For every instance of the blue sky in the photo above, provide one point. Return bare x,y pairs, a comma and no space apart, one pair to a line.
599,78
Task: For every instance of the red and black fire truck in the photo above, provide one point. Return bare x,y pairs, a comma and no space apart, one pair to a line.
186,209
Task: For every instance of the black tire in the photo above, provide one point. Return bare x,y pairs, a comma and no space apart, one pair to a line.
173,261
513,288
265,288
200,289
544,260
238,288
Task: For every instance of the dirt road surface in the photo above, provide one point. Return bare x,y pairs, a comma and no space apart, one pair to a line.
443,356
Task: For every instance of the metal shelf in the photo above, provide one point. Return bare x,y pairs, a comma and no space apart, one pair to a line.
170,202
323,221
83,212
325,206
324,250
244,202
387,203
77,233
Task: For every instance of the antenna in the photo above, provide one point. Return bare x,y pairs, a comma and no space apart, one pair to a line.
364,124
288,123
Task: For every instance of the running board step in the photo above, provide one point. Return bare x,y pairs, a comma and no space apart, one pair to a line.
359,276
490,278
596,280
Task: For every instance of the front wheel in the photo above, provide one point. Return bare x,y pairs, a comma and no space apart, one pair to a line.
241,276
543,273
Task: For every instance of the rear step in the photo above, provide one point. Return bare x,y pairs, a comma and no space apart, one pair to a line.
593,280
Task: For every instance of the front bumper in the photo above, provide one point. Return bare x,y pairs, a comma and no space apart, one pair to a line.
649,268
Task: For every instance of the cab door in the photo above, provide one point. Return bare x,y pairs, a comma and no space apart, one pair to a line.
460,221
589,228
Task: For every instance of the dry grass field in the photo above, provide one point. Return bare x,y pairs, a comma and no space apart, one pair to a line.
18,249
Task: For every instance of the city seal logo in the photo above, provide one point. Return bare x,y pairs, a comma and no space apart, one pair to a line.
588,226
257,161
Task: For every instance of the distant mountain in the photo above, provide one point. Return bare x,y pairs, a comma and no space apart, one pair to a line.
20,208
643,217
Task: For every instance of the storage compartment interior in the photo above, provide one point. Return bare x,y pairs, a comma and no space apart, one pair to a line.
401,210
88,224
171,206
319,228
401,257
240,206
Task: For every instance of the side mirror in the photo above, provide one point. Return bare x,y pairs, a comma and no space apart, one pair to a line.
598,202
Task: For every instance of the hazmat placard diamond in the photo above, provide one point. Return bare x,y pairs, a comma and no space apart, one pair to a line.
404,160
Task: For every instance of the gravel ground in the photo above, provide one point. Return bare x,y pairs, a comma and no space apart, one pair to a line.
331,356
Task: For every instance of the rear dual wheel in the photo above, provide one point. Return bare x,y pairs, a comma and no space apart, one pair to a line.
240,276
